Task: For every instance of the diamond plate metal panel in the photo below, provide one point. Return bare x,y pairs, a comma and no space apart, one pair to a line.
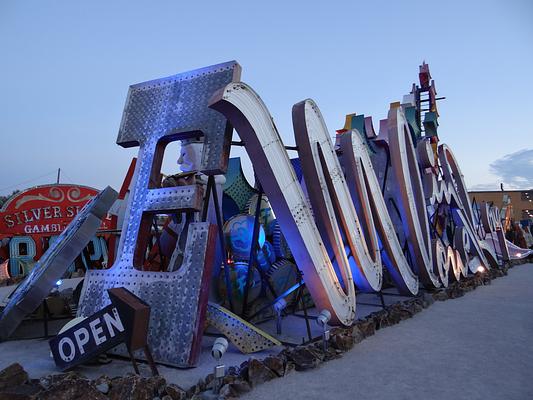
177,106
177,299
186,198
246,337
158,112
55,261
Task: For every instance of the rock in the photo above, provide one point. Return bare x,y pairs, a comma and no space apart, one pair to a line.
26,391
201,385
367,327
175,392
68,389
342,342
454,291
303,359
239,387
166,397
333,353
289,367
103,379
317,349
209,378
194,390
427,300
103,384
357,334
440,295
13,375
135,387
230,379
416,306
243,371
276,364
227,392
380,319
191,391
103,387
467,289
395,315
258,372
159,383
207,395
496,273
407,309
52,380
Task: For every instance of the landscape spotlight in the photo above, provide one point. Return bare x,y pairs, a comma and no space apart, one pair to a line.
279,306
322,320
217,351
219,348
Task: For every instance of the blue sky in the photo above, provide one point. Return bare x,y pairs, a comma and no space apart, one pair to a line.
65,67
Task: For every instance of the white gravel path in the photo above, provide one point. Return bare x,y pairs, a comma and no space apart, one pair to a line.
479,346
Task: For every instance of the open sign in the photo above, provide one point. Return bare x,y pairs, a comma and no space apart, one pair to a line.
124,321
89,338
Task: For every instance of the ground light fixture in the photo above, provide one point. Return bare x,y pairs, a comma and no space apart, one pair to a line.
58,283
322,320
480,271
279,306
217,351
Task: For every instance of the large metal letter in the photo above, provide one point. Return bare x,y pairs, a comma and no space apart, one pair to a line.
158,112
330,198
411,196
367,197
247,112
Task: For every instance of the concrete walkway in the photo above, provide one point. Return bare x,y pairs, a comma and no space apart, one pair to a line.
479,346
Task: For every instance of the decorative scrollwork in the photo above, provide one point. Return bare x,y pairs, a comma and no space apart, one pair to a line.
56,195
74,195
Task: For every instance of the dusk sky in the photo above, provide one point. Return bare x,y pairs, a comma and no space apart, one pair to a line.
66,66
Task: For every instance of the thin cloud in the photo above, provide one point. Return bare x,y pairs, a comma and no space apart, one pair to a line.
515,169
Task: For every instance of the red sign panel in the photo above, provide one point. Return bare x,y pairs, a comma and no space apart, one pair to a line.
44,210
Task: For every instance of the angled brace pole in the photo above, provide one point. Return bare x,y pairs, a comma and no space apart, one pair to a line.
211,188
253,252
